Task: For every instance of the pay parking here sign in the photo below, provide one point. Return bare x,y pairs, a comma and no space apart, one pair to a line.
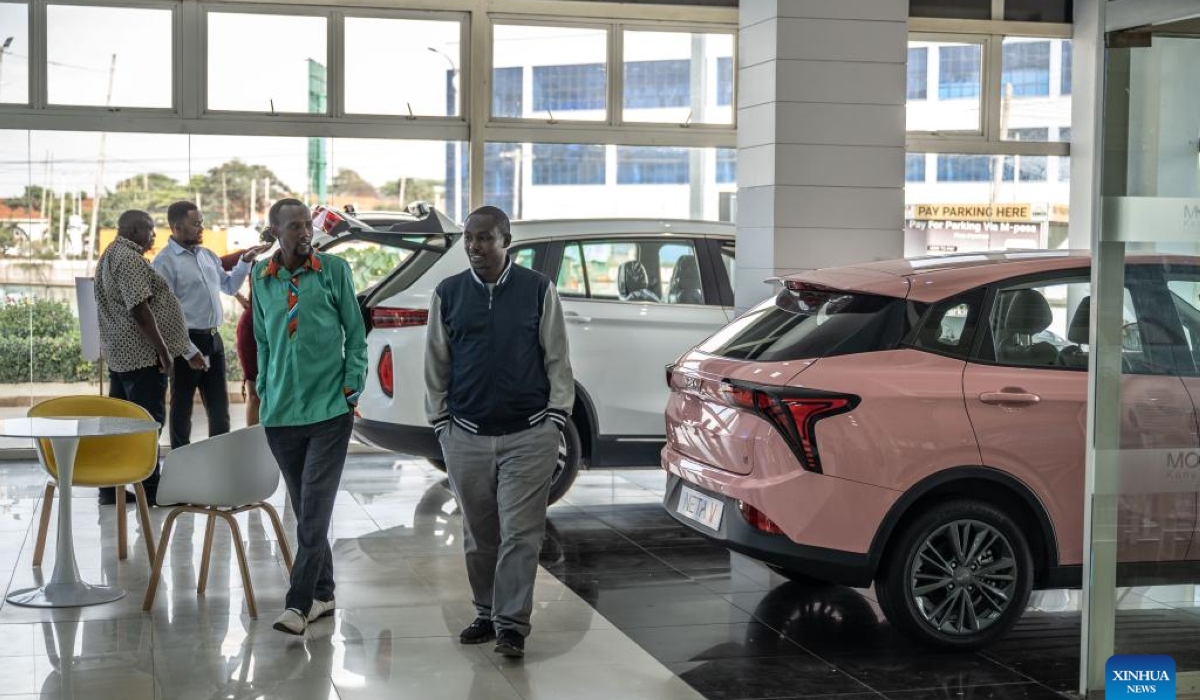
1132,676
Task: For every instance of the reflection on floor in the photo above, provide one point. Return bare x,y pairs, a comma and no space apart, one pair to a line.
734,630
630,605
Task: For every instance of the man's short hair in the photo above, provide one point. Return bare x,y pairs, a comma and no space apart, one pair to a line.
498,218
179,211
128,221
273,215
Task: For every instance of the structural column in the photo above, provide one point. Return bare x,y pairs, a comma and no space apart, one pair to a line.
821,98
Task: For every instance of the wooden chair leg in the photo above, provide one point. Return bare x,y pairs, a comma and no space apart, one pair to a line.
122,525
278,525
164,544
43,524
144,517
236,532
209,528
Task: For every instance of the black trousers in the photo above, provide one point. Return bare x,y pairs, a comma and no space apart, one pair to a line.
311,458
214,392
147,387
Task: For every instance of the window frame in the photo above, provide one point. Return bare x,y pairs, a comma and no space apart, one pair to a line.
39,73
618,90
990,34
32,62
464,68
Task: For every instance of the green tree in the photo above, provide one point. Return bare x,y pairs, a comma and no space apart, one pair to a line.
415,190
225,190
348,183
152,194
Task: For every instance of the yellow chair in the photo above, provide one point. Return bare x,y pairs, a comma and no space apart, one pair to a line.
115,461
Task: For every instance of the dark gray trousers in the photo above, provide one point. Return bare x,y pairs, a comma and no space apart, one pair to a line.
502,484
311,459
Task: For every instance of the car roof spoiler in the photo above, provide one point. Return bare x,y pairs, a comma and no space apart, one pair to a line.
433,224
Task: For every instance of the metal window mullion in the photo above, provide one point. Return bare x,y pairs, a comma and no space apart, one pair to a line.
335,56
192,71
989,104
479,62
616,74
38,90
998,10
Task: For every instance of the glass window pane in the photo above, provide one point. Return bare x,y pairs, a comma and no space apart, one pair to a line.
966,203
567,164
675,77
289,76
951,9
571,282
652,165
429,52
566,67
918,72
14,53
571,181
91,59
1038,10
1035,88
956,69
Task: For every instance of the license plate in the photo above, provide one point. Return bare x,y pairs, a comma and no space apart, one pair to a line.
705,510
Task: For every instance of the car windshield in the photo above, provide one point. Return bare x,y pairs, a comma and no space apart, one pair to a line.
806,323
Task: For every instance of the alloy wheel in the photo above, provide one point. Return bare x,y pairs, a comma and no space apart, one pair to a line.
963,577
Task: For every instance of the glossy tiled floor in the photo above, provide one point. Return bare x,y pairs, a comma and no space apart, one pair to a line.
629,605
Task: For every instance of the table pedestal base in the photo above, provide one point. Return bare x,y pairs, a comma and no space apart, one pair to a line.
65,595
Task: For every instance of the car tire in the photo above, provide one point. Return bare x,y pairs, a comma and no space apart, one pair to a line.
932,597
570,455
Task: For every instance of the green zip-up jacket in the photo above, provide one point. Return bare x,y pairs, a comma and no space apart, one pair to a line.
317,373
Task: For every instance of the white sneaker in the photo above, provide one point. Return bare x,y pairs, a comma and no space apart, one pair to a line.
321,608
291,621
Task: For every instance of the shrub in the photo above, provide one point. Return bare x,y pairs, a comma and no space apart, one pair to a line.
57,354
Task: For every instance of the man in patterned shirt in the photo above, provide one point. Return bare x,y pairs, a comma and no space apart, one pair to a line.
141,325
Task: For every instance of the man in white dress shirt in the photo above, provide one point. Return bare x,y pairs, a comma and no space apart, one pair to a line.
197,278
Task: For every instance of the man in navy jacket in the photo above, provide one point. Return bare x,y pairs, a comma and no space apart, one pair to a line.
499,392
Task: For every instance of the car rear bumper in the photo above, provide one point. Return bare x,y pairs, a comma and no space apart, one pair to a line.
845,568
419,441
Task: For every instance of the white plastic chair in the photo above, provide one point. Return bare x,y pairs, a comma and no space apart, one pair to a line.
219,477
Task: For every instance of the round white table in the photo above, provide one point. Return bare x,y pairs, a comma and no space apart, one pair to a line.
65,588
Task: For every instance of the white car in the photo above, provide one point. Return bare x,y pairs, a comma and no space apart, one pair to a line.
636,294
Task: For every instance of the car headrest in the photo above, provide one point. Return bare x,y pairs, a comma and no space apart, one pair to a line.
686,274
1081,321
631,278
1029,313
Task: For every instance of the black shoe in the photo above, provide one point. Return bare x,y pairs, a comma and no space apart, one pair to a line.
478,632
510,643
108,497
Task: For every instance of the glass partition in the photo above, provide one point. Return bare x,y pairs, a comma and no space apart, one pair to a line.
53,226
1143,487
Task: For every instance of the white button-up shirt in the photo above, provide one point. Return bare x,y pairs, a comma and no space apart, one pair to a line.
196,277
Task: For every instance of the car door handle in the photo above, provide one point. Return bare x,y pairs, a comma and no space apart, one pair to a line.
1009,396
572,317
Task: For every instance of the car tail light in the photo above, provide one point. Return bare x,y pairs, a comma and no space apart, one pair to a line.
387,380
758,519
382,317
793,412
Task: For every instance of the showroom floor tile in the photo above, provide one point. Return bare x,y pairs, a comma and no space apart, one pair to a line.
628,604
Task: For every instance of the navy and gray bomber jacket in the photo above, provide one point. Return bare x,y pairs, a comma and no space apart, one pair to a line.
496,356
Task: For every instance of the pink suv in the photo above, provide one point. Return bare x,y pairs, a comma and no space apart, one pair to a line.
920,424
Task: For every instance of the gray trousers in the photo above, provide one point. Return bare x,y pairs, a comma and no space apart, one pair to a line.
311,458
502,484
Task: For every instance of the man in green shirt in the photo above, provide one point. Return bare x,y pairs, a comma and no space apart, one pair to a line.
312,359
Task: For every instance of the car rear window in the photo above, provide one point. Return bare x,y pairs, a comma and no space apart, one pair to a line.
808,323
